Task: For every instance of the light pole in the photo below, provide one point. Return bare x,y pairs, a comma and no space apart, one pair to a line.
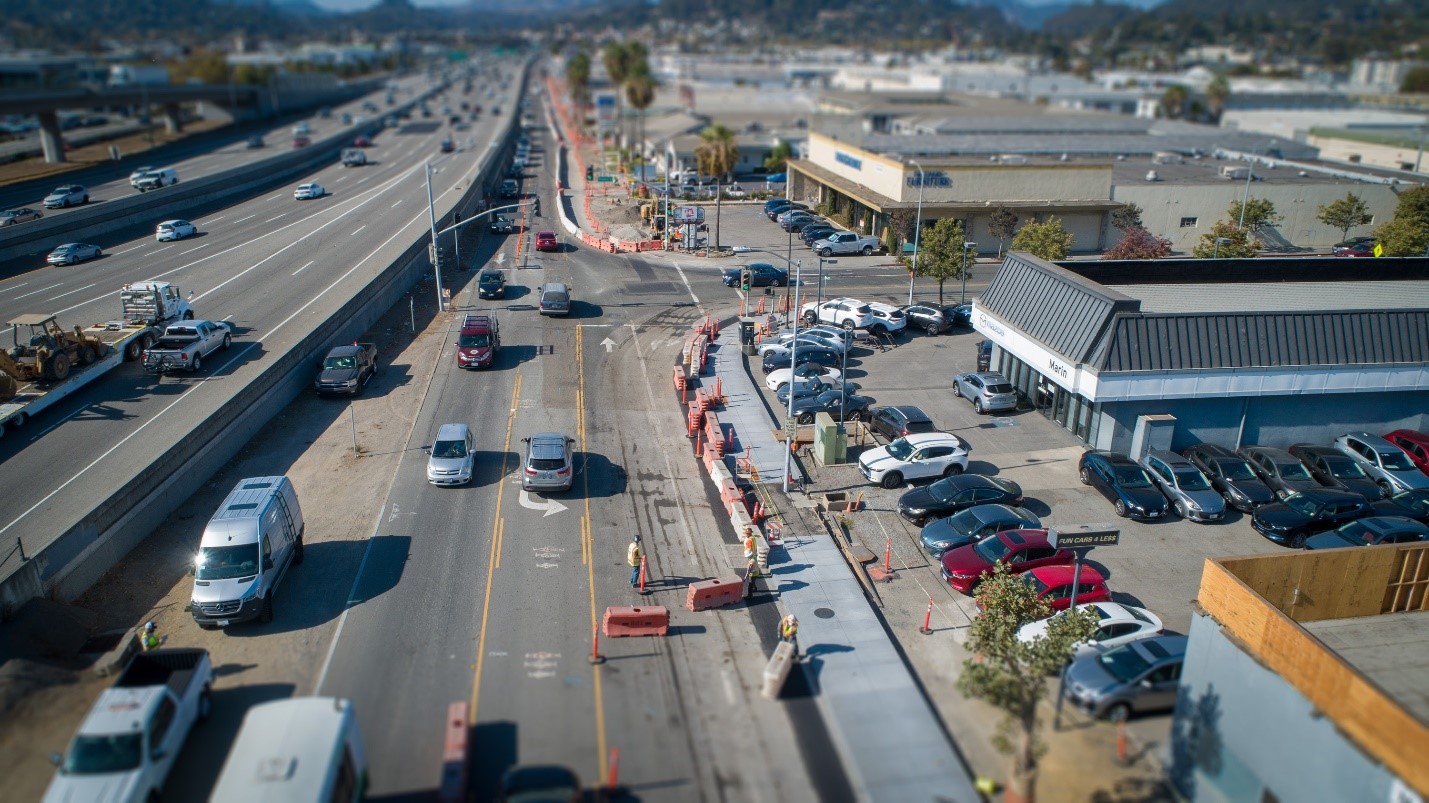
963,294
917,229
791,427
432,216
1219,242
1245,199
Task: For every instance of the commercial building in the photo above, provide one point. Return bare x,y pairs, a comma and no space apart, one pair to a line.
1263,351
1304,679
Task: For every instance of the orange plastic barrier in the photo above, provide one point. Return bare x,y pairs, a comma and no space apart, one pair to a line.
620,622
453,786
715,433
680,378
715,593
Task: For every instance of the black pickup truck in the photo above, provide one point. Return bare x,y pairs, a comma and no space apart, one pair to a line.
346,370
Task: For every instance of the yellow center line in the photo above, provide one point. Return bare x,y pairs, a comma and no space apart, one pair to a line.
600,751
495,559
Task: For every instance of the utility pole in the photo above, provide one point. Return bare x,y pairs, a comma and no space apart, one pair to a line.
917,229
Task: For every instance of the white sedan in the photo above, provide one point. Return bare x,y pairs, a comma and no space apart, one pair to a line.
807,372
1117,625
175,230
309,191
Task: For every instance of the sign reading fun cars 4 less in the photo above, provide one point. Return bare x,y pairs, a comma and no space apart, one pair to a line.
1083,536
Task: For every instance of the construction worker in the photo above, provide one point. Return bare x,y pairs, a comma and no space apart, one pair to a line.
149,638
749,545
789,631
633,554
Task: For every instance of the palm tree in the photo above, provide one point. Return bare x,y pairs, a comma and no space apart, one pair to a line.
578,79
1217,93
617,57
640,92
716,155
1173,100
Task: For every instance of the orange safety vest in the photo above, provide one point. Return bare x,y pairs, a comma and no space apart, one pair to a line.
632,555
788,629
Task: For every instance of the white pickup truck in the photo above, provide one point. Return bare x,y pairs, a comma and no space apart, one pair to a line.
183,346
128,742
845,242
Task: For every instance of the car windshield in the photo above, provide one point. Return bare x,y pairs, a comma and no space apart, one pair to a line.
1131,477
475,341
226,562
449,450
1395,461
1417,500
100,755
1345,469
1300,503
992,549
1192,481
1123,663
490,278
943,491
966,521
999,387
1356,531
553,297
339,363
900,449
1293,471
1234,469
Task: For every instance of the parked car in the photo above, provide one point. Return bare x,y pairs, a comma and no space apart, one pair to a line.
812,354
361,142
973,524
1124,483
930,320
887,319
1231,475
1354,247
849,313
1184,486
814,232
1143,675
761,274
784,343
1384,462
1021,550
984,355
775,211
1278,469
1334,469
70,253
780,378
960,315
1409,504
840,403
918,456
1414,443
309,191
797,222
510,188
1054,585
452,458
1306,513
898,421
952,494
346,369
847,242
555,299
1371,531
549,464
491,283
1117,625
771,203
66,195
11,217
813,387
989,391
546,241
174,230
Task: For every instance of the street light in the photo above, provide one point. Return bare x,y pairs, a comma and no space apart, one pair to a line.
1245,199
963,295
917,229
792,432
1219,242
432,217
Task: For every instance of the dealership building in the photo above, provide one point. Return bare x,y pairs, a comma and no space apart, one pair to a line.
1264,351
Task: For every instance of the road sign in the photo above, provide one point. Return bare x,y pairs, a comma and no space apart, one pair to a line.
791,427
605,178
1083,536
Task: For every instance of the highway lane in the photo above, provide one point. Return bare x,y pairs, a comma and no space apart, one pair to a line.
259,268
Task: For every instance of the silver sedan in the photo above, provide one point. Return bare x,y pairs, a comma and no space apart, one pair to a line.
70,253
988,391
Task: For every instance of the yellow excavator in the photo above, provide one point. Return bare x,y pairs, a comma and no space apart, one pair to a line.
47,353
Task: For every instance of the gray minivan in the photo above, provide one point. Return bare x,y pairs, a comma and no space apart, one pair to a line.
451,458
555,299
245,552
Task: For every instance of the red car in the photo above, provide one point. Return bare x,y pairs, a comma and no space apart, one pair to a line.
1414,443
301,142
1021,550
546,241
1054,584
362,142
1356,247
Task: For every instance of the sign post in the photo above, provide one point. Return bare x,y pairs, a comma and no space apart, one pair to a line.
1081,539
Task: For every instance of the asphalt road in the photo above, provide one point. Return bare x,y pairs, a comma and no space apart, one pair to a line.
264,265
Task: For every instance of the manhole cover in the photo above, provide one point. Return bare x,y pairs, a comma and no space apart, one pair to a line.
824,613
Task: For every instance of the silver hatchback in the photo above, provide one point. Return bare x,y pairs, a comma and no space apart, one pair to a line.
548,465
989,391
1184,486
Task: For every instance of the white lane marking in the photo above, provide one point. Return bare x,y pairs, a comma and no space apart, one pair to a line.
351,600
41,290
271,219
681,271
71,292
228,317
359,229
215,219
303,268
364,178
394,205
274,198
125,251
339,179
191,250
54,426
250,217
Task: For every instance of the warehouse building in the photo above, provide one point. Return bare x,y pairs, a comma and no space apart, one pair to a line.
1265,351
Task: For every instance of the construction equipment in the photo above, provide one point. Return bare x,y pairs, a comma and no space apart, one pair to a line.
45,350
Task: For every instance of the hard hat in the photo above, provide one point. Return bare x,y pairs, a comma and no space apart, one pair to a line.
149,626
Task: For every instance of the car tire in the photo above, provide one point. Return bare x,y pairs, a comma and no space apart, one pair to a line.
957,391
1297,542
65,204
84,200
781,387
781,282
1119,712
265,613
1085,476
298,552
848,326
891,480
826,252
977,406
227,341
931,329
198,363
1385,488
808,317
205,704
953,470
1121,509
1182,511
868,250
806,418
855,415
188,316
98,252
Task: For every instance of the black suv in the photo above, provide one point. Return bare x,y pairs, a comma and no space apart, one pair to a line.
895,422
929,319
1124,483
491,283
1230,474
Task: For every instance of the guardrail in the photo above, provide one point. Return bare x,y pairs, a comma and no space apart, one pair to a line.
72,562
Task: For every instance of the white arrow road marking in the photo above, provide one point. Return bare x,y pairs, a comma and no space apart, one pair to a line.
393,516
609,345
549,505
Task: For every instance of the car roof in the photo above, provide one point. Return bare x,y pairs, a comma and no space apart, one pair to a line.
1171,459
554,287
924,438
1316,449
1373,441
545,234
988,376
452,432
1034,536
910,413
1269,451
1332,494
1112,457
963,481
1214,450
1156,649
1389,524
1062,575
1412,435
545,444
996,512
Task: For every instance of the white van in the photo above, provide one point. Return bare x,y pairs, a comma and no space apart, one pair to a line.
245,552
303,750
154,178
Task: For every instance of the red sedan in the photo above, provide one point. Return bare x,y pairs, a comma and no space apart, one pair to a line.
1021,550
1414,443
1054,584
546,241
362,142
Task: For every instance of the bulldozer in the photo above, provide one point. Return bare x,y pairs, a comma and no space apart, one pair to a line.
47,352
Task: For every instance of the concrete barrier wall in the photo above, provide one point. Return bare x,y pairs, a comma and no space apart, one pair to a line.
78,558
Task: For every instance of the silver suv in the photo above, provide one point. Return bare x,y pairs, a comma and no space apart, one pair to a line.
548,465
1390,467
989,391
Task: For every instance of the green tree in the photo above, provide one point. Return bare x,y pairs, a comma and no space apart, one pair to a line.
620,59
208,66
1173,100
1217,93
578,81
1404,236
1345,214
1413,203
1012,674
1138,243
1002,225
1416,81
1236,243
941,254
778,159
1259,213
640,93
1048,240
1126,217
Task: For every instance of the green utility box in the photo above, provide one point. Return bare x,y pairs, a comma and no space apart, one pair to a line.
830,441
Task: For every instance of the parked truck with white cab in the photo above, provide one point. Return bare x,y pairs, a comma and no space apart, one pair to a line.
246,551
44,362
183,346
128,742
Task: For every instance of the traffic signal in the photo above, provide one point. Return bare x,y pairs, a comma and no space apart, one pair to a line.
589,173
744,279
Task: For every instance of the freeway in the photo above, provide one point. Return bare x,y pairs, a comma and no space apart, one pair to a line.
263,265
202,158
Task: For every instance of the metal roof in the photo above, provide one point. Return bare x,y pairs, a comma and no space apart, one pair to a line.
1065,312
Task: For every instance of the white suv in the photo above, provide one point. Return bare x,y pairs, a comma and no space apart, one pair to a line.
918,456
888,319
850,313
